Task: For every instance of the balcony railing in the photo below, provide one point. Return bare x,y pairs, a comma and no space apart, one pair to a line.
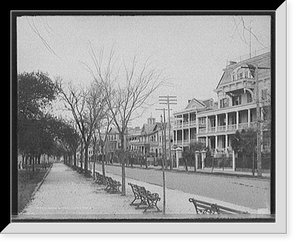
185,124
202,130
222,128
192,123
243,126
230,127
211,129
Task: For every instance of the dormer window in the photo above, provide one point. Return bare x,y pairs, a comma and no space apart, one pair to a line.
236,100
224,103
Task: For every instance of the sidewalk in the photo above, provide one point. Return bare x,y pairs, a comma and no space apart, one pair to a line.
66,194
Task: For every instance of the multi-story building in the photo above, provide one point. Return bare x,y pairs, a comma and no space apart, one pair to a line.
141,139
149,139
185,121
215,123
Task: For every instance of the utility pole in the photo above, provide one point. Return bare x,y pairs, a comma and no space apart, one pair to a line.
163,123
169,100
258,124
254,71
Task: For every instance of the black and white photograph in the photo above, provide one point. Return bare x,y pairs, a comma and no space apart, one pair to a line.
145,117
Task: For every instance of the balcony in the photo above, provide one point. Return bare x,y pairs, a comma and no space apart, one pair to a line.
230,128
184,142
211,129
243,126
202,130
185,124
221,128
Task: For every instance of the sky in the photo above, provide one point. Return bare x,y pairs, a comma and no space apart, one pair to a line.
192,51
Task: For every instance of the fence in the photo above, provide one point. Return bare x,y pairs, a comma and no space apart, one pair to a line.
222,162
251,162
240,162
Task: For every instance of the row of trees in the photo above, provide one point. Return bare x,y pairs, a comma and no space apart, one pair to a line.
119,90
39,132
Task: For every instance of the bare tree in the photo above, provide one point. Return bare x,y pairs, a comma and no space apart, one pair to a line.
127,88
87,107
103,131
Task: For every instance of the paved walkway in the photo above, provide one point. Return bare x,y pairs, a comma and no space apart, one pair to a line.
66,194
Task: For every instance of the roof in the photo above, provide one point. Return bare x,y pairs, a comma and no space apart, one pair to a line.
262,60
147,129
197,105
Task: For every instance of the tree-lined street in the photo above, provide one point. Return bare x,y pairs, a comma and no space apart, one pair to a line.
81,112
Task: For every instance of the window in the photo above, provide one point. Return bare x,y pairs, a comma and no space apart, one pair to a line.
202,121
240,75
236,100
249,97
233,76
223,103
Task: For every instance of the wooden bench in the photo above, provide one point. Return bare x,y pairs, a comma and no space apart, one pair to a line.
112,186
80,169
147,199
136,192
100,179
202,207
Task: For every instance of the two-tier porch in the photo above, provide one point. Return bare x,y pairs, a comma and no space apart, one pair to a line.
215,128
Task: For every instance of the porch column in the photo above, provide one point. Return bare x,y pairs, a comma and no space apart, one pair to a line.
216,142
206,141
189,135
203,156
237,120
226,121
206,123
249,118
226,143
216,123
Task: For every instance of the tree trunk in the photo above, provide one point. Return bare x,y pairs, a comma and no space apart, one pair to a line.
86,159
94,164
103,160
123,164
74,155
81,155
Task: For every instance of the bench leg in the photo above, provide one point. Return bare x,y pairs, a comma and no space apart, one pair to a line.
152,205
143,202
134,204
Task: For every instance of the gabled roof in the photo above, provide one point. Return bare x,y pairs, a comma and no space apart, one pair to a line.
147,129
194,103
158,126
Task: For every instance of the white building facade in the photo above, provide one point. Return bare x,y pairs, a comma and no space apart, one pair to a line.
215,123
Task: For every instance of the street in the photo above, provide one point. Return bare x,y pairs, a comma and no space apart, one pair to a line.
247,192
